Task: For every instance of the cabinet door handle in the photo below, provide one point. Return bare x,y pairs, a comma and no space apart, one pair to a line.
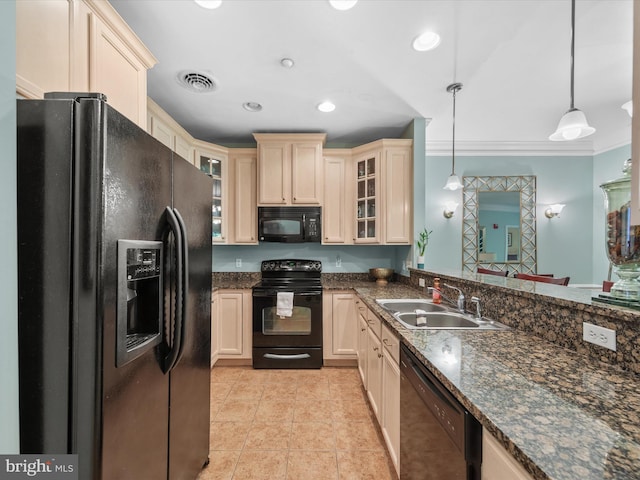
362,329
386,342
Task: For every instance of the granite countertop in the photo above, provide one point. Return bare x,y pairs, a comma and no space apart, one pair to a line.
562,417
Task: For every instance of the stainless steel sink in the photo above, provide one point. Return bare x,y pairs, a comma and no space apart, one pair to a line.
435,320
445,321
434,317
402,305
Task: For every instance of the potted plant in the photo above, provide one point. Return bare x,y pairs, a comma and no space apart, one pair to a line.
422,242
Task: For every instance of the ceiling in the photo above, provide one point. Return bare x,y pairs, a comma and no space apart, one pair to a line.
512,57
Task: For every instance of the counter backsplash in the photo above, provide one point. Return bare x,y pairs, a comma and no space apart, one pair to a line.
554,319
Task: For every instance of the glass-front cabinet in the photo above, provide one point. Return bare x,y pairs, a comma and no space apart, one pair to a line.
367,206
215,165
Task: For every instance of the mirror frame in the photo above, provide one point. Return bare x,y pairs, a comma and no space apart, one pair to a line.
526,185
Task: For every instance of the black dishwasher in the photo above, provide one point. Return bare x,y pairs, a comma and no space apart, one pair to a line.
439,438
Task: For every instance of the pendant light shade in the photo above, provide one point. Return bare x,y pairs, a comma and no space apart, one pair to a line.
453,182
573,124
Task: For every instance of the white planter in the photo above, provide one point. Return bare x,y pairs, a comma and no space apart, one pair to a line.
420,261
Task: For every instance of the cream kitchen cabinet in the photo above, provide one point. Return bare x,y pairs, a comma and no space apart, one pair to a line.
290,168
374,365
337,211
497,463
81,46
390,418
214,161
378,365
243,222
383,202
367,195
231,327
363,329
397,192
164,128
339,328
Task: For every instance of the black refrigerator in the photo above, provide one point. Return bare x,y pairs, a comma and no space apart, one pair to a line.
114,260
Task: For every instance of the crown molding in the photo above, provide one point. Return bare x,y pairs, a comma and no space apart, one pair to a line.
526,149
504,149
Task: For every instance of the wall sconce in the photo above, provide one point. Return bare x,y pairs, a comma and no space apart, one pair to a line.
554,210
449,209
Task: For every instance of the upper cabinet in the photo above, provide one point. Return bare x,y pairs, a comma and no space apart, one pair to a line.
367,174
383,172
81,46
213,160
290,168
243,221
337,208
164,128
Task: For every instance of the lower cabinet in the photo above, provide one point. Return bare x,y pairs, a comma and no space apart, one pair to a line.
231,325
390,421
363,328
339,328
378,364
497,463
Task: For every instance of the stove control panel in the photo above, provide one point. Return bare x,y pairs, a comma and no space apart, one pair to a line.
291,266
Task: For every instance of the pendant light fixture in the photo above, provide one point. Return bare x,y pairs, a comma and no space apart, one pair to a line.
573,124
453,182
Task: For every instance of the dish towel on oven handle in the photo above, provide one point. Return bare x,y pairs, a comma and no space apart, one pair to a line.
284,304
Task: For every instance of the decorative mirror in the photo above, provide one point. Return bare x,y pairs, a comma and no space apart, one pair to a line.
499,223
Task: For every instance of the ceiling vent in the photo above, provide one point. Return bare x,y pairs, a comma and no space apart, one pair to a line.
197,82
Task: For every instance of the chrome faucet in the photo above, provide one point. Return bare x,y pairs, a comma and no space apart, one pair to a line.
459,303
460,300
476,300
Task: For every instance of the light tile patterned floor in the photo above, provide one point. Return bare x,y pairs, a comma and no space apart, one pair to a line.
293,425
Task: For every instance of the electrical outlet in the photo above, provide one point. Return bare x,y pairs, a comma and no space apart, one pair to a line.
421,282
338,261
238,263
605,337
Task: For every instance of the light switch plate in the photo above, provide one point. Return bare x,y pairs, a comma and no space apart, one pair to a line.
238,263
605,337
421,282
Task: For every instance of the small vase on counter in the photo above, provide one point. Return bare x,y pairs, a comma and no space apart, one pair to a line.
421,261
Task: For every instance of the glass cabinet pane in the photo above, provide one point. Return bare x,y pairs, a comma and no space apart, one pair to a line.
216,209
361,169
204,164
361,208
371,187
371,166
371,208
217,187
362,189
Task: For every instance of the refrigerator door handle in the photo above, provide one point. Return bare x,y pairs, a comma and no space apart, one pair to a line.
171,358
185,282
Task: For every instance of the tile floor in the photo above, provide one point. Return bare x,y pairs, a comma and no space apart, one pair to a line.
293,425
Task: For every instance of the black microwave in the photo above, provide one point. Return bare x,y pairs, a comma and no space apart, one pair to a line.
289,224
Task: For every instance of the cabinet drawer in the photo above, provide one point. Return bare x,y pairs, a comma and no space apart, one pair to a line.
375,325
391,343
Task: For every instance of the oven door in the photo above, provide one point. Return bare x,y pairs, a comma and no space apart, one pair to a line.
302,329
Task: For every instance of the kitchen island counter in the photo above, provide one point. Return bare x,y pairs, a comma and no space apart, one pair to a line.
560,415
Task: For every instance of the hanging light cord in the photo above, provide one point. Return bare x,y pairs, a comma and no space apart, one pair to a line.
573,39
454,88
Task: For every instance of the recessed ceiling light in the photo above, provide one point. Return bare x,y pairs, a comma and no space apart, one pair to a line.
343,4
426,41
210,4
252,106
326,107
287,63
